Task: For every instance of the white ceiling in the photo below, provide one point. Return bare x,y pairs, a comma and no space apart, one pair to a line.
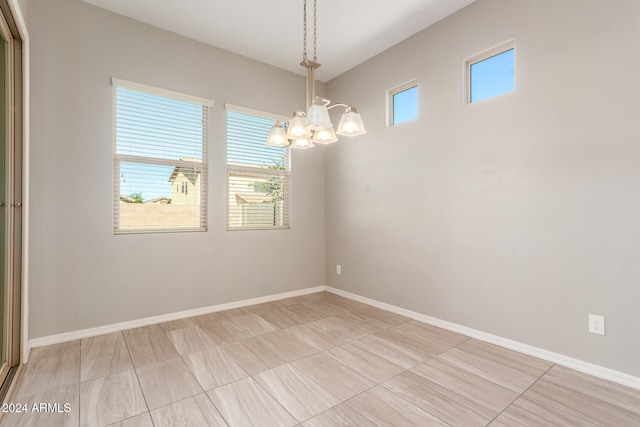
349,31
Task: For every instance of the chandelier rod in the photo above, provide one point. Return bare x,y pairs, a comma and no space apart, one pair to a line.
307,63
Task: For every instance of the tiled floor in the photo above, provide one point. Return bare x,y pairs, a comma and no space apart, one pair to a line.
316,360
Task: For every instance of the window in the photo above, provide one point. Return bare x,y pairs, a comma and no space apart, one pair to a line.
258,176
491,73
402,103
160,139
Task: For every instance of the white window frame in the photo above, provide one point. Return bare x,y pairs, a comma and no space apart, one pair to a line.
396,90
479,57
120,158
258,172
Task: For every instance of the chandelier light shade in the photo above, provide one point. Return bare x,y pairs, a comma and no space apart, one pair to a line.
351,123
325,136
318,116
302,143
314,126
296,128
278,136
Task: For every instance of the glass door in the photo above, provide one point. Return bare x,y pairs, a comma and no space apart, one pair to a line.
10,196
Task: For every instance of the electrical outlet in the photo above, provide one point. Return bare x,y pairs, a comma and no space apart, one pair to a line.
338,269
596,324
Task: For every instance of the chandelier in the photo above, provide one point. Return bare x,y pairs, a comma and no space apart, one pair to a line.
306,128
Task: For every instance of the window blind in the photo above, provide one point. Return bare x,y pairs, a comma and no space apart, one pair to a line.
160,159
258,176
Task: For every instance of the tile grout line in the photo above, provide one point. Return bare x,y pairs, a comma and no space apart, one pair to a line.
273,397
180,356
408,370
409,402
486,379
237,381
135,371
521,394
133,368
391,361
518,396
339,361
206,392
319,351
308,377
173,403
399,373
382,385
216,408
225,354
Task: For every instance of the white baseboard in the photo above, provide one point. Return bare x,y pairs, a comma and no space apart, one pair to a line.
100,330
578,365
560,359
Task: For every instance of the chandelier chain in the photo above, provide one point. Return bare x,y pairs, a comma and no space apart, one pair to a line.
304,32
315,31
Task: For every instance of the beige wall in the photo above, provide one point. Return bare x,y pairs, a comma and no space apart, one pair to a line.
81,275
519,215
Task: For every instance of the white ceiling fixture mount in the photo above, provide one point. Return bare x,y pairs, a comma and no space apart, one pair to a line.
314,126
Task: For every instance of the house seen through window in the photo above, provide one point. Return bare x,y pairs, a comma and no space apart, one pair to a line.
160,163
258,176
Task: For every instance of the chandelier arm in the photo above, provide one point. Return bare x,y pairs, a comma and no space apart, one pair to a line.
338,105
